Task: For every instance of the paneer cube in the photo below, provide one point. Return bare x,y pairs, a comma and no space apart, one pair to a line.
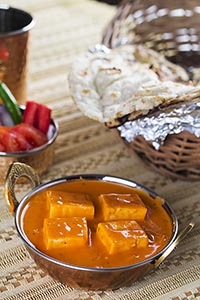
65,232
121,206
63,204
120,236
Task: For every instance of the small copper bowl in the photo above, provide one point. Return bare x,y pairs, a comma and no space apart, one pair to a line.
39,158
87,278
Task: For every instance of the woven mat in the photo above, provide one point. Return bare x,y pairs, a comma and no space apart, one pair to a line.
65,29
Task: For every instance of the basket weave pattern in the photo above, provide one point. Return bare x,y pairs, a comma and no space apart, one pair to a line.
172,28
179,157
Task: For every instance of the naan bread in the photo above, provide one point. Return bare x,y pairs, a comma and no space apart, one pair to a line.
165,69
122,83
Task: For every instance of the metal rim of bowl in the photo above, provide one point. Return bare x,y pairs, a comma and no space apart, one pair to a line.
105,178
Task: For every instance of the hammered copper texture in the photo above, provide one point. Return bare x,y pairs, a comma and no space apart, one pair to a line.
14,73
86,280
41,159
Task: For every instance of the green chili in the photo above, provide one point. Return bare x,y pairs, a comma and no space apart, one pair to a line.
10,103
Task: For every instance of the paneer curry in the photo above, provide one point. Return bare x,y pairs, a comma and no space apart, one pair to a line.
96,223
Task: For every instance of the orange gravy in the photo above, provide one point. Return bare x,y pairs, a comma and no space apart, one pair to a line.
157,225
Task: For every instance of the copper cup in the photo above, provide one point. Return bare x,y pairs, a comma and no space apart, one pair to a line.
15,25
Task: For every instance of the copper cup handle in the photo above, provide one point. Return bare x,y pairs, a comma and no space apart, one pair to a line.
179,238
15,171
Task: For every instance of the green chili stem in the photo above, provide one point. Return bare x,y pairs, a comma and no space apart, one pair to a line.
10,103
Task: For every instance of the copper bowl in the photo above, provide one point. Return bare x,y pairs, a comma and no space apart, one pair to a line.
86,278
40,158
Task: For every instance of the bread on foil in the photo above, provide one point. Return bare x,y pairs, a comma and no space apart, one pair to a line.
117,85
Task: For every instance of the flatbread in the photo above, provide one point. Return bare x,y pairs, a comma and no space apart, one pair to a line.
126,82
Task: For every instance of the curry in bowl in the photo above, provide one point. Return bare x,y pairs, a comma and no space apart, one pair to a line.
92,231
96,224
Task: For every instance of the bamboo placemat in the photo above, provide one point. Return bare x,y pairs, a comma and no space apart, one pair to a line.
65,29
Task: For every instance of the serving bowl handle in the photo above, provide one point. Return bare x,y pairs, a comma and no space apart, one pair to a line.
16,171
179,238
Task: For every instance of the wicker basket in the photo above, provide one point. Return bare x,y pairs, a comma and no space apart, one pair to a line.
172,28
179,157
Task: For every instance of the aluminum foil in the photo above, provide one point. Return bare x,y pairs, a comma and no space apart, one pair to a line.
157,126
